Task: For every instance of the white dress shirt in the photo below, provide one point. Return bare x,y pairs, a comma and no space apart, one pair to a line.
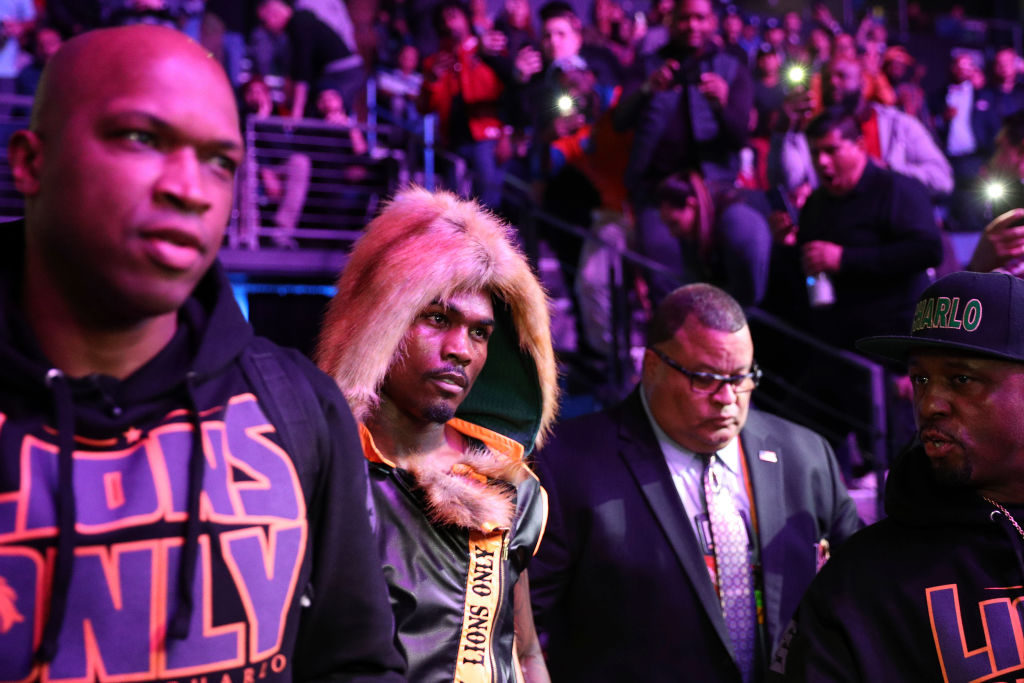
687,469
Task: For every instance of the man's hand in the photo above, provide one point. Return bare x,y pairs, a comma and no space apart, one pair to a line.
663,78
1001,242
531,657
820,256
528,62
271,183
798,106
494,42
445,62
783,228
715,88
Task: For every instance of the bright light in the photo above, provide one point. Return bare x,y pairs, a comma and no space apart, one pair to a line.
565,105
994,190
796,74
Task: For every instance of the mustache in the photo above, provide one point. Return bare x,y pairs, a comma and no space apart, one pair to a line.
446,372
933,431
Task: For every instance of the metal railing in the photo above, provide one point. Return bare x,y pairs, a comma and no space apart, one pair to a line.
858,409
339,202
340,188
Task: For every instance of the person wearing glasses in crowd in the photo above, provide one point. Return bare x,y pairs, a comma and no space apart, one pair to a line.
683,526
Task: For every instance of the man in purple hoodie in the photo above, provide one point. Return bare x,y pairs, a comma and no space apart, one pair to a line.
178,498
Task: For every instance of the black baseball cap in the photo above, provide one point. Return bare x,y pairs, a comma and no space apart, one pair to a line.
977,313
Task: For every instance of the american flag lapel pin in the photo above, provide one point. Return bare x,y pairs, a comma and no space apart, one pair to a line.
768,456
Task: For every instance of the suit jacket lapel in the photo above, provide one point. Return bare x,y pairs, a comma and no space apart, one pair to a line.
765,463
638,447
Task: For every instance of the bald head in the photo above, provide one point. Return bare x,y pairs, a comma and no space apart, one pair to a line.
96,64
127,171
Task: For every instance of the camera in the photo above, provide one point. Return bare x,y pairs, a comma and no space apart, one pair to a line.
689,73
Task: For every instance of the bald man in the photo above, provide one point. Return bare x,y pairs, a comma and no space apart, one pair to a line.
179,499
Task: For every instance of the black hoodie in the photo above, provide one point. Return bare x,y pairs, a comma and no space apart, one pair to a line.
931,593
140,559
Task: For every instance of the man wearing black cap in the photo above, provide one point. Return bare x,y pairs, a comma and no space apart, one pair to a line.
933,592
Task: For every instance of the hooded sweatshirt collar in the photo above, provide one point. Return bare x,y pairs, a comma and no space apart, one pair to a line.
210,335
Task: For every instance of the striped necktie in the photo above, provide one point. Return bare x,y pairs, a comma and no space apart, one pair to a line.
731,546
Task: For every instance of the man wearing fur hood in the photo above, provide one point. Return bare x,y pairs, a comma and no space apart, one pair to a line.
439,337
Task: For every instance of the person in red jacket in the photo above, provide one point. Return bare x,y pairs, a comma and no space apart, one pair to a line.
464,90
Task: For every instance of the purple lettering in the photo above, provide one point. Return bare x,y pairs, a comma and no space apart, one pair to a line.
205,644
958,663
1000,618
20,569
109,613
177,448
266,572
273,491
42,478
8,514
115,487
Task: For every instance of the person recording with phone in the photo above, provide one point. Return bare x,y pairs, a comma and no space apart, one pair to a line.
867,234
691,112
1001,246
868,229
770,88
893,139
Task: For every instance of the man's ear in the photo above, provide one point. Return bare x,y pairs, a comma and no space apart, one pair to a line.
647,367
25,155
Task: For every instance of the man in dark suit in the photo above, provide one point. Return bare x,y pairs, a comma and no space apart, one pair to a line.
625,586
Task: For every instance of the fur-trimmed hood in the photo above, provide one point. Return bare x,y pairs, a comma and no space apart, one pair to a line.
429,245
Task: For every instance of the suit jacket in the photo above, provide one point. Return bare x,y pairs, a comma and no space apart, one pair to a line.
620,589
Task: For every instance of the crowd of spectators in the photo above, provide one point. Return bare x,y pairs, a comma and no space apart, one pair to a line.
756,152
598,111
749,150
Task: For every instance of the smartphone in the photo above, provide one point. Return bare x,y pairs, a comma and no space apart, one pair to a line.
796,76
778,200
689,73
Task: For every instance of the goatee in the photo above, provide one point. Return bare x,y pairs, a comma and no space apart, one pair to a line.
952,475
439,412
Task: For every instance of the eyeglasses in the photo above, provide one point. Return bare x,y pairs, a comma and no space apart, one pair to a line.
712,382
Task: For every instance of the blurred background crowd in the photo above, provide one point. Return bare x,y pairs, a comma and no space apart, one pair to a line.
820,161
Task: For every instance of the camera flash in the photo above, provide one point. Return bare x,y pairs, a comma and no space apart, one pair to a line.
994,190
796,74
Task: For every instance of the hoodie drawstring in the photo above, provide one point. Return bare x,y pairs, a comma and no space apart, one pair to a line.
179,626
64,417
1010,529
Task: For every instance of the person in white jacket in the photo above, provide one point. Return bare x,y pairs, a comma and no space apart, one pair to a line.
905,145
